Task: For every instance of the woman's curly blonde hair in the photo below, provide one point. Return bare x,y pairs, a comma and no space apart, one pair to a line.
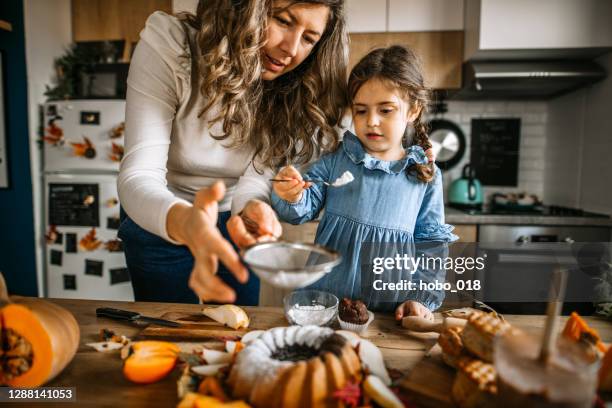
288,120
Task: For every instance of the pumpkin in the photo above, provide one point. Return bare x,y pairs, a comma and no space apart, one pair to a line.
38,339
150,361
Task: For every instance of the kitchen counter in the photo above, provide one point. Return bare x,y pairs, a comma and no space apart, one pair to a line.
454,216
99,380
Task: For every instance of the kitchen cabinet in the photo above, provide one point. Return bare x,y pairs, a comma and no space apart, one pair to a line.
366,16
440,51
375,16
466,232
532,29
425,15
101,20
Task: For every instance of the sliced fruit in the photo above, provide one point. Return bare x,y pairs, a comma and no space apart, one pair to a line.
150,361
208,369
216,356
380,393
372,359
229,315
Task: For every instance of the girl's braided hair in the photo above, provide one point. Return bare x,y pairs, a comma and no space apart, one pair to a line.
400,67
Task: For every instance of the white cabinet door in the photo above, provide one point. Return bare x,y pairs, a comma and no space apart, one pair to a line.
528,24
366,16
425,15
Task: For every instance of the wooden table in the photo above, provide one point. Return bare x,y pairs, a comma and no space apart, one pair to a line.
99,381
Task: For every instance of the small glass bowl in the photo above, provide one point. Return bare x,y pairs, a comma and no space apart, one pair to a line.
310,307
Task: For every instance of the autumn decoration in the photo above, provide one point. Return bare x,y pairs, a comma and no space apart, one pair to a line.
149,361
116,152
38,340
85,149
90,242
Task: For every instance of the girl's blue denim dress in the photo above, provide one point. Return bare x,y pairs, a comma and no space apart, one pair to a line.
382,213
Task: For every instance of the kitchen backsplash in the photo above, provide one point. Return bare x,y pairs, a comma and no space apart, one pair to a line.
534,118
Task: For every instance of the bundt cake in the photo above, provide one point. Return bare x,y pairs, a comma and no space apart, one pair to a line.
296,366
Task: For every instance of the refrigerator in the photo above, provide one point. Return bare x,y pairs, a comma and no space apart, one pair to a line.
83,145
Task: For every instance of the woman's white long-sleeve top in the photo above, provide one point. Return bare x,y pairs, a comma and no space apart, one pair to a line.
169,151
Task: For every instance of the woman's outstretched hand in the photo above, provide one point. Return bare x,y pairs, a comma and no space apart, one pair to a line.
292,189
196,227
256,223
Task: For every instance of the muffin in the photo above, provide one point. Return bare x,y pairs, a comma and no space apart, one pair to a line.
353,311
353,315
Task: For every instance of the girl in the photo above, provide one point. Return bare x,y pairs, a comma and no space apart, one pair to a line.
395,199
208,93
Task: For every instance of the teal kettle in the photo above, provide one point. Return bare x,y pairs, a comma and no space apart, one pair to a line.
466,192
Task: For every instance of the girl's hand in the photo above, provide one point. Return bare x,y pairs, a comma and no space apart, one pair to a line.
430,155
290,191
196,227
413,308
256,223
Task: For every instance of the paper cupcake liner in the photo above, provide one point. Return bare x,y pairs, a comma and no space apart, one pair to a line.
357,328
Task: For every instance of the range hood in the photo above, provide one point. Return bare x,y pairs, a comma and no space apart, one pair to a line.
526,79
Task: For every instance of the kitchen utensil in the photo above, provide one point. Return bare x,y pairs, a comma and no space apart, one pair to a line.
447,141
420,324
290,264
119,314
306,307
466,192
309,180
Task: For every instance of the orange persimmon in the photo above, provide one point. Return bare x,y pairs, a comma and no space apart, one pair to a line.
576,329
38,339
150,361
212,387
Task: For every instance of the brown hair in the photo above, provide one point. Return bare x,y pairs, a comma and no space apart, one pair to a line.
290,119
400,67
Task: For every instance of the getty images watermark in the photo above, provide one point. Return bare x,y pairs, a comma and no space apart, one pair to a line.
404,264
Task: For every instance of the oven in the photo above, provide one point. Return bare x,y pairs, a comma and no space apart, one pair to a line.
520,261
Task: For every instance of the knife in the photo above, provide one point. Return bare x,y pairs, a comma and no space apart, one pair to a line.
119,314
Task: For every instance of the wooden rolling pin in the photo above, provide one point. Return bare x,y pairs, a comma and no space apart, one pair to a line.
420,324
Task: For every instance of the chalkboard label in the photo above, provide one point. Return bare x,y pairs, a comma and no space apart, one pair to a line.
74,205
494,150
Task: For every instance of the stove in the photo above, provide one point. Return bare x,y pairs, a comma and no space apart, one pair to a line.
541,210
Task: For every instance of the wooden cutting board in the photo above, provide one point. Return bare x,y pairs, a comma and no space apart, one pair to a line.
430,383
197,327
384,330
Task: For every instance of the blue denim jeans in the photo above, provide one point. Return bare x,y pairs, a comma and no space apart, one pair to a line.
160,270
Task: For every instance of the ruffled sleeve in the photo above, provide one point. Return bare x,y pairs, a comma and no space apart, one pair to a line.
430,225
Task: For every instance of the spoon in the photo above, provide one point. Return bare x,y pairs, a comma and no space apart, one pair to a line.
308,180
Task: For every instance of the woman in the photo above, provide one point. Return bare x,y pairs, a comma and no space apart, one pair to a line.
230,93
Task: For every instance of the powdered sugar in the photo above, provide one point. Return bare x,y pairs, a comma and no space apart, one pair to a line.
344,179
315,314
